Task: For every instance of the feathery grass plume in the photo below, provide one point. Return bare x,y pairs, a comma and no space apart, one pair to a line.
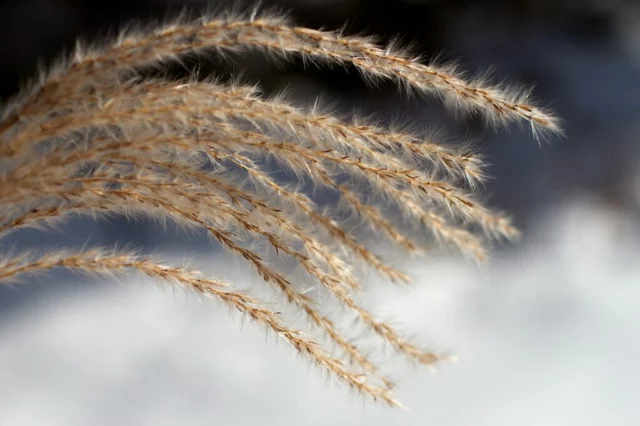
200,154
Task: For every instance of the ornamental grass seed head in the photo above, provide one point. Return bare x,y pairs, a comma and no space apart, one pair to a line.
94,136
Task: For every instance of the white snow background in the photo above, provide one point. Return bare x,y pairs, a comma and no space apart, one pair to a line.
546,335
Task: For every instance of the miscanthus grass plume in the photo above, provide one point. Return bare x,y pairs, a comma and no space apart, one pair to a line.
94,136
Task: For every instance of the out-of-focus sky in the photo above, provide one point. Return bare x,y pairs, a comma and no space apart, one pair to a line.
546,334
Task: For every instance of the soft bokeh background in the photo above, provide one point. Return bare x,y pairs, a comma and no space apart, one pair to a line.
548,333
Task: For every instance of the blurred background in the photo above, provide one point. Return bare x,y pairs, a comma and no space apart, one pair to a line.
548,333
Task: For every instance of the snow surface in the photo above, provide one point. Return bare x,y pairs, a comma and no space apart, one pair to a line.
546,335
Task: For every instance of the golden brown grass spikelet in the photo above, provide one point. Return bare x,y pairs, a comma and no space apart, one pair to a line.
199,153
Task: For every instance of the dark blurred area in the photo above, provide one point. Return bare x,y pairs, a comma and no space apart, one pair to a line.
581,57
35,30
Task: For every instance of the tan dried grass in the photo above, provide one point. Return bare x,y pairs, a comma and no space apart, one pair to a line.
148,140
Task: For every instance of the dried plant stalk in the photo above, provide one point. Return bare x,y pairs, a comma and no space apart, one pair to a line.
194,152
